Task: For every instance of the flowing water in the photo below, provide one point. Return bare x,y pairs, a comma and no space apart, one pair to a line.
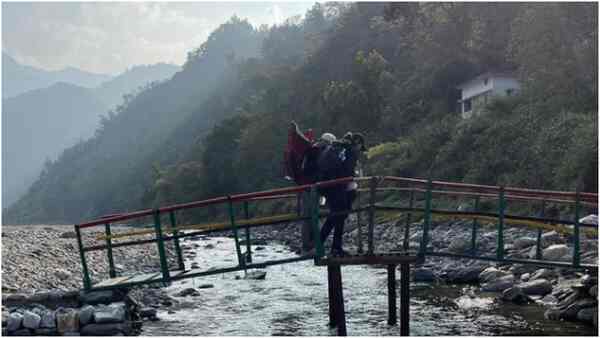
292,300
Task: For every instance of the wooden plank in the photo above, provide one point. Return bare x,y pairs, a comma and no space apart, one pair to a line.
145,277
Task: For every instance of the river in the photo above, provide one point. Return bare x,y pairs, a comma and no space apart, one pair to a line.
292,300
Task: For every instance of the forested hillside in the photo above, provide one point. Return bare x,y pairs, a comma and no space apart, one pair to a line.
387,70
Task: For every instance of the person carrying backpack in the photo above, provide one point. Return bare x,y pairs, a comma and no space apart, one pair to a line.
337,159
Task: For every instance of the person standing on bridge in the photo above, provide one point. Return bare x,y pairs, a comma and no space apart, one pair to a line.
338,159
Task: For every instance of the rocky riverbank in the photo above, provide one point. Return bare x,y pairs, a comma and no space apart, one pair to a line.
562,293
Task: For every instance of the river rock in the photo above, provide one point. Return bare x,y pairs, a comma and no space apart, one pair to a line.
22,332
490,274
206,286
148,312
588,281
113,313
423,275
587,314
14,322
256,275
570,313
525,277
589,219
524,242
465,274
555,252
549,238
188,292
543,274
68,234
459,245
48,320
549,300
499,284
539,287
86,314
44,331
62,274
594,291
67,320
31,320
516,295
107,329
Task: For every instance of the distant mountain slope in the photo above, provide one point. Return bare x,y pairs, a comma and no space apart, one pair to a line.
18,78
111,92
37,126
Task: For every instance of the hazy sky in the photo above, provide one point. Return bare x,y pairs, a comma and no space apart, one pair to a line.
108,37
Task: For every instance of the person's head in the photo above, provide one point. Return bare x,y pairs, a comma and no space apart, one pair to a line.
328,137
357,140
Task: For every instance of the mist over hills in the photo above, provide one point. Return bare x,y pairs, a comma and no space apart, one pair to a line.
40,123
18,78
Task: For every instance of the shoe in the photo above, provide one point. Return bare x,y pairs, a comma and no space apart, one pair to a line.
338,253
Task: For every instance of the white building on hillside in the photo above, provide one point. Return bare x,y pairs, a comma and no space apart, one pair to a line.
477,92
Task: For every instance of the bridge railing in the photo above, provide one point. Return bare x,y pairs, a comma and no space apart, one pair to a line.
311,214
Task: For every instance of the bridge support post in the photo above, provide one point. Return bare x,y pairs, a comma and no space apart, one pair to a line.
337,314
304,209
404,299
359,224
474,229
426,220
538,242
372,191
500,239
392,317
238,250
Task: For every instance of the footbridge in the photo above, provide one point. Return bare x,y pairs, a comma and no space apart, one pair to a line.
399,198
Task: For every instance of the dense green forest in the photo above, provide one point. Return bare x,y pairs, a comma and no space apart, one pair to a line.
389,71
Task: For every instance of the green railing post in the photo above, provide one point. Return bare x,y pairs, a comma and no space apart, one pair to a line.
241,261
314,211
576,250
164,265
87,283
426,220
411,201
500,240
538,242
474,228
180,262
109,253
248,248
372,192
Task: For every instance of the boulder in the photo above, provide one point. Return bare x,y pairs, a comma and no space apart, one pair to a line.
589,219
14,322
107,329
465,274
499,284
100,297
48,320
525,277
524,242
62,274
549,238
587,314
423,275
67,320
490,274
594,291
588,281
539,287
571,311
68,234
31,320
555,252
86,314
113,313
188,292
459,245
148,312
549,300
543,274
256,275
516,295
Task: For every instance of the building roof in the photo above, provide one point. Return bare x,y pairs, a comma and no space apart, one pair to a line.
486,75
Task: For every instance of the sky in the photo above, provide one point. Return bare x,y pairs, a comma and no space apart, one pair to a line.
109,37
